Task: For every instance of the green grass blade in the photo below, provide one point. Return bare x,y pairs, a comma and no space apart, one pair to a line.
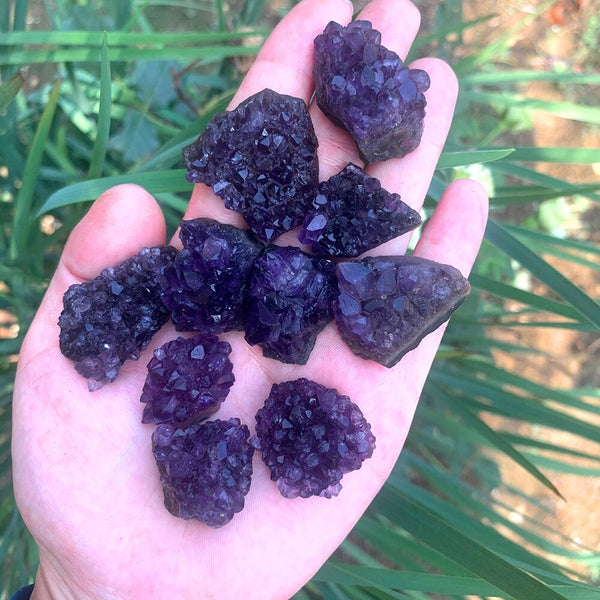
104,117
499,442
187,53
497,78
547,274
9,89
586,156
154,182
563,109
451,159
465,551
120,38
24,200
509,292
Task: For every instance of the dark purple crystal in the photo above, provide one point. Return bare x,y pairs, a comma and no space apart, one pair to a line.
352,213
388,304
310,436
205,470
289,301
365,88
188,379
261,158
111,318
204,288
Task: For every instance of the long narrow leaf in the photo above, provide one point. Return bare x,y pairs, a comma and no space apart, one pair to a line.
32,166
155,182
188,53
547,274
9,89
451,159
104,113
467,552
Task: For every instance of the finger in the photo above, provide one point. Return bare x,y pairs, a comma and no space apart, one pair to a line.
123,220
452,236
398,22
284,64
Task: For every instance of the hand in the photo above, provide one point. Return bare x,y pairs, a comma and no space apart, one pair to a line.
84,475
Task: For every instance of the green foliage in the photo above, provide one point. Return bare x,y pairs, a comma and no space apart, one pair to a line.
124,88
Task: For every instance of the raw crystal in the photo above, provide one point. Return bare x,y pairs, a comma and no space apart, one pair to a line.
352,213
205,286
205,470
365,88
261,158
388,304
310,436
111,318
289,301
188,379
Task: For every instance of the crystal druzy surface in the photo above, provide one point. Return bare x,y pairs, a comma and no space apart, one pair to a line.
310,436
352,213
205,286
289,301
366,89
111,318
261,158
388,304
188,379
205,470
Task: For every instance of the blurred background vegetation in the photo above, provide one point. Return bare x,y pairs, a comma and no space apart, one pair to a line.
497,493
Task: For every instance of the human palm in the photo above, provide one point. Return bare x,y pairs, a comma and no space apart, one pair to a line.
85,478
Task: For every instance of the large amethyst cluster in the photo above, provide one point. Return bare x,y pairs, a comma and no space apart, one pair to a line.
205,286
205,469
188,379
352,213
261,158
388,304
310,436
290,300
365,88
112,318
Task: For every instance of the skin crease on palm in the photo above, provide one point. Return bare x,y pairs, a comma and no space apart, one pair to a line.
84,475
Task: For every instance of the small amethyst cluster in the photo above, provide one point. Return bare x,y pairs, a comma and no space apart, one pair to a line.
365,88
188,379
261,158
310,436
290,300
112,318
205,470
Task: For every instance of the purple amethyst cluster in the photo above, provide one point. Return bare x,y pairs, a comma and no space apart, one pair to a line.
388,304
365,88
290,300
112,318
261,158
188,379
352,213
204,287
310,436
205,469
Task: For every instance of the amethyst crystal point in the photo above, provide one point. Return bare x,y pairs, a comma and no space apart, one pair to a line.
261,158
352,213
205,286
205,470
289,301
388,304
310,436
364,88
187,380
111,318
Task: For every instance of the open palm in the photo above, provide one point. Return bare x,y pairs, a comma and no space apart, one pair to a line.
85,478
